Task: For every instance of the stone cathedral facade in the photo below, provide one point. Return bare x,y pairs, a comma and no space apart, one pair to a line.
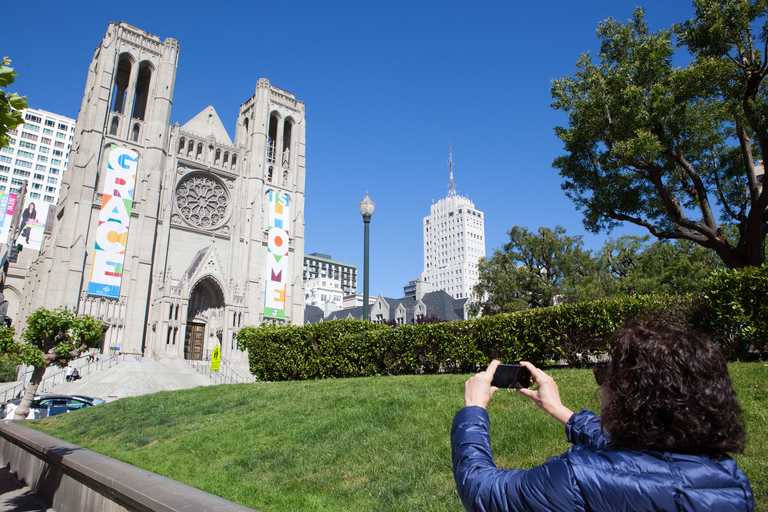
175,236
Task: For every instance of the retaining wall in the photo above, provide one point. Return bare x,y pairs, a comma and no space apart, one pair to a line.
69,477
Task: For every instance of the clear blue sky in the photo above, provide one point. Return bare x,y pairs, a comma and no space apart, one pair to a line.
387,85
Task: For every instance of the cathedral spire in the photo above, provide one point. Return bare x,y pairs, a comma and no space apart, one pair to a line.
451,186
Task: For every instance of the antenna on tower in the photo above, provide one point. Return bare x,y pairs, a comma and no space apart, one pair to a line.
451,186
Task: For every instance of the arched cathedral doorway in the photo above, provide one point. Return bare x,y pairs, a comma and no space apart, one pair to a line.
206,311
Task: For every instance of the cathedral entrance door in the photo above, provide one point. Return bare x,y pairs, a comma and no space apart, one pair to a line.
193,341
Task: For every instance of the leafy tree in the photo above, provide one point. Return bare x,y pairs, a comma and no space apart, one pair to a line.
50,338
10,103
539,269
531,271
630,265
666,147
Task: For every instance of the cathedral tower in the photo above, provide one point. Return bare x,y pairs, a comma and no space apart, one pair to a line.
103,237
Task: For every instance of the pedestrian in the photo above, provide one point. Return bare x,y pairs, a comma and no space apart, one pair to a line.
669,418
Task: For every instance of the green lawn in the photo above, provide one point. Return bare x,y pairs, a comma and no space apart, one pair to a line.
378,444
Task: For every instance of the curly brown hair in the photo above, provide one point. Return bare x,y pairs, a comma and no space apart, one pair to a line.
669,390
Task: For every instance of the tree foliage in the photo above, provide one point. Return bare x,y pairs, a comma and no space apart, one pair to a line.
10,103
548,266
530,271
673,149
51,338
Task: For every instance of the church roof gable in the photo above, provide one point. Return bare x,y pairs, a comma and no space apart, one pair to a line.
208,123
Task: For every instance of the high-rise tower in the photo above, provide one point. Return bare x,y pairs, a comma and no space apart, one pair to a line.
175,236
454,242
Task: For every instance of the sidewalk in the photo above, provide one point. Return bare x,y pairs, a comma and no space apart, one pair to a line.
15,497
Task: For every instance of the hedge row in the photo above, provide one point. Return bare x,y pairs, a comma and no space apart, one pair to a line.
353,348
734,312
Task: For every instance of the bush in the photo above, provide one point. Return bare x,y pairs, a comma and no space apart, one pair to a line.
738,303
353,348
734,311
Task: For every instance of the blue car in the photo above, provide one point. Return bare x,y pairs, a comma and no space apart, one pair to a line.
43,406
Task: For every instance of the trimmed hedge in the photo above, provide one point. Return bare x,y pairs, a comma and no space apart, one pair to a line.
734,312
737,302
353,348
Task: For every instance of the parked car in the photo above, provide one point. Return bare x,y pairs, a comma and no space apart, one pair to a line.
43,406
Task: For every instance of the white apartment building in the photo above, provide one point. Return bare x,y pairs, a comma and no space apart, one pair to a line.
323,266
323,291
454,242
38,153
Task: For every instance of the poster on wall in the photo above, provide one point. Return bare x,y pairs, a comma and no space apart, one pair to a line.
277,255
7,207
114,218
33,221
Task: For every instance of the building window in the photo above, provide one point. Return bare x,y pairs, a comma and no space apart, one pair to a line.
121,83
142,91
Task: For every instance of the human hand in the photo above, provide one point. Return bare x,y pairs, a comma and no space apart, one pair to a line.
546,395
478,389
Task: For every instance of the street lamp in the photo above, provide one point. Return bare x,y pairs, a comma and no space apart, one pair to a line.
366,210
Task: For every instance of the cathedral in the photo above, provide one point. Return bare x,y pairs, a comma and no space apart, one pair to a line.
175,237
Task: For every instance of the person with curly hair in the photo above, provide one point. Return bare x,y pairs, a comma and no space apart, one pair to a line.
669,419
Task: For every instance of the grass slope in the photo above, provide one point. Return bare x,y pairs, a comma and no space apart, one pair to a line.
378,444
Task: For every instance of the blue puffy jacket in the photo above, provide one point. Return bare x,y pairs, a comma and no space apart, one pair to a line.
591,476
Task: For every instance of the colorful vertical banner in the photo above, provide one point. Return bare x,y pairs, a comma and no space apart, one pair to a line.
34,218
114,218
7,207
277,255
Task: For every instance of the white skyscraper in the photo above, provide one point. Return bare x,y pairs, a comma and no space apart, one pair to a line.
454,242
38,153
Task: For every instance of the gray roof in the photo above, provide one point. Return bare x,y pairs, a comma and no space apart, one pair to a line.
439,304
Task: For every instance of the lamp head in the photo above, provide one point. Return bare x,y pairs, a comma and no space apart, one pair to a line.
367,207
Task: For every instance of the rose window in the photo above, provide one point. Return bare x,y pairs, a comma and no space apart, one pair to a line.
202,201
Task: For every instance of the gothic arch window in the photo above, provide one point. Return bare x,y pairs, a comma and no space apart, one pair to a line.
272,134
226,159
287,131
135,134
190,148
120,87
202,200
182,142
142,91
245,123
234,161
218,157
114,126
199,154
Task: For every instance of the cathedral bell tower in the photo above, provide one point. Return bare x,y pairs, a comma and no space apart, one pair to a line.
99,257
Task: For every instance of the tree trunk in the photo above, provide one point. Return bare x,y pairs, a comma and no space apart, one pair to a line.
22,411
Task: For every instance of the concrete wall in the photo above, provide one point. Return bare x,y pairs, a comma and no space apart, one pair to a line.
69,477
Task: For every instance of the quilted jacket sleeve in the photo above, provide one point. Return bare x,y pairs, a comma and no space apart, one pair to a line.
484,487
585,428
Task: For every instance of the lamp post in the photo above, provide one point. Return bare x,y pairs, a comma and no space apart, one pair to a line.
366,210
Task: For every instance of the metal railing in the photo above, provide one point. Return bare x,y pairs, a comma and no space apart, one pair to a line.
55,375
225,375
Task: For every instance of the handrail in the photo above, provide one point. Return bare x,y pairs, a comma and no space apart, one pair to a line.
226,374
85,368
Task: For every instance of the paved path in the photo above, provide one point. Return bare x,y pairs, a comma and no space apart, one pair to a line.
127,378
134,378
